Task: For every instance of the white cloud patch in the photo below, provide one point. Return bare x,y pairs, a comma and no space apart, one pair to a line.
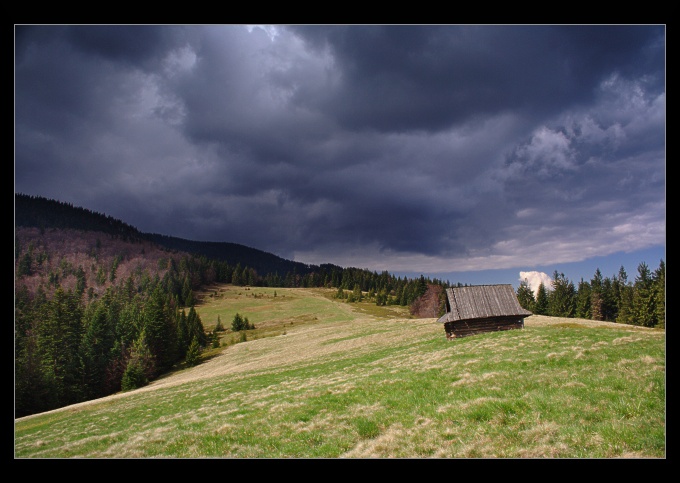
272,31
534,279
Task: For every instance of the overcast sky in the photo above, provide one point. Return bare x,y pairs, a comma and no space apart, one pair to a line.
467,153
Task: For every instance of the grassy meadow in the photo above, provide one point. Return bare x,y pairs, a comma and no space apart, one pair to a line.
321,378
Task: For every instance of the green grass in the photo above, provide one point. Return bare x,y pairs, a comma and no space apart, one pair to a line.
343,383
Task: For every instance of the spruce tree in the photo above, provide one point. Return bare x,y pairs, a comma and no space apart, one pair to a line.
97,343
421,287
562,297
596,300
156,325
541,307
659,287
525,296
583,300
195,327
609,302
129,288
186,290
250,277
190,299
643,307
81,282
381,298
596,305
183,335
624,298
357,294
236,275
218,326
141,365
130,322
622,294
193,353
237,324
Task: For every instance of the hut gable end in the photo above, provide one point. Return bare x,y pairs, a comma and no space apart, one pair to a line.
482,308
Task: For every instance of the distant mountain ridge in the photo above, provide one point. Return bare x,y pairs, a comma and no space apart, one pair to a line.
44,213
234,253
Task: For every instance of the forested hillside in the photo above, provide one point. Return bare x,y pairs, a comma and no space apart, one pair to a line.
101,307
43,213
31,211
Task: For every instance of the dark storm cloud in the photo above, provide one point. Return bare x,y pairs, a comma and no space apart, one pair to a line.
411,77
423,148
131,44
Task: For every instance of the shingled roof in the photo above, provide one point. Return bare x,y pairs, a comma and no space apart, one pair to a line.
482,301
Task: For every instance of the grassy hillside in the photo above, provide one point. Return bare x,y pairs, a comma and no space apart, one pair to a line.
319,378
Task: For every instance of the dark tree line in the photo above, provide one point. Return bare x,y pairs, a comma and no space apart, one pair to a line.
641,301
46,213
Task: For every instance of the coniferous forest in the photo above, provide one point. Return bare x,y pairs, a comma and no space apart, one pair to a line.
101,307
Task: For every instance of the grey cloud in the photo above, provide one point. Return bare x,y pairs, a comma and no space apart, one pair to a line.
433,77
438,142
142,46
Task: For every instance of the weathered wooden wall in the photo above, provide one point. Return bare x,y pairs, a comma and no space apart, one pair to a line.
464,328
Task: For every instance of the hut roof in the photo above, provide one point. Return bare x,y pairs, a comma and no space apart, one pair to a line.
482,301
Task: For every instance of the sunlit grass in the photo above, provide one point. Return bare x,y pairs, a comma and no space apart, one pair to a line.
348,385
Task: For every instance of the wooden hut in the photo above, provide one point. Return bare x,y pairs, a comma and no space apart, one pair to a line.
481,308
